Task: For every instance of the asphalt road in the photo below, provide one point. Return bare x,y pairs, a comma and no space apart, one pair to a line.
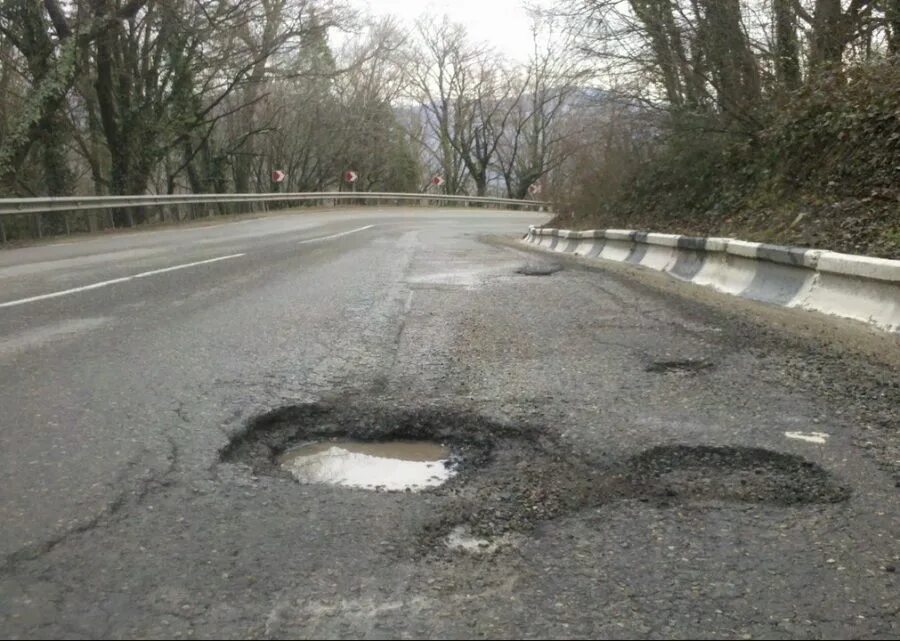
653,463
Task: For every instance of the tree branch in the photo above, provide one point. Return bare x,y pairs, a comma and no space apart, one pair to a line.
58,18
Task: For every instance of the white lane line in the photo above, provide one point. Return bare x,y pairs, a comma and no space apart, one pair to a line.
115,281
343,233
186,265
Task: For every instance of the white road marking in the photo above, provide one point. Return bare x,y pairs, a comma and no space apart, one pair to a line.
811,437
115,281
343,233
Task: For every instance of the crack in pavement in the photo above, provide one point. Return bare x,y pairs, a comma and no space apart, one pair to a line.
113,508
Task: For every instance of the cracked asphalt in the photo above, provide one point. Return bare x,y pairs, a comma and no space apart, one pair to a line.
639,471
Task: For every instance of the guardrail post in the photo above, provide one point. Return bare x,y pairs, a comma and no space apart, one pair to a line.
37,225
2,231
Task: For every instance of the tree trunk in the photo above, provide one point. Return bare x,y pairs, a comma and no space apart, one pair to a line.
656,19
42,105
892,15
58,178
480,184
828,35
787,46
242,161
190,158
733,66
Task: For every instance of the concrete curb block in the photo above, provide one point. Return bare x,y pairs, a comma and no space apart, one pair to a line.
859,287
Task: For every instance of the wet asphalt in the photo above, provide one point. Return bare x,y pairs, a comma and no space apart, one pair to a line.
639,458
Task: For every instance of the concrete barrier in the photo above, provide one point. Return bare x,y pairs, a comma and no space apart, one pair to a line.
859,287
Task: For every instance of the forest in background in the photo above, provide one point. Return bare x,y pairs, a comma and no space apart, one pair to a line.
774,120
210,96
770,119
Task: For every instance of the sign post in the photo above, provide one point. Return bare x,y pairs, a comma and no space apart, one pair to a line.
277,178
350,177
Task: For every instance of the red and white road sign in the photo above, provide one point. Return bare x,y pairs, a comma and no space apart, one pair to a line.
535,189
351,176
437,181
278,176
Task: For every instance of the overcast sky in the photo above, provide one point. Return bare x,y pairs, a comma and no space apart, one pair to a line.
504,24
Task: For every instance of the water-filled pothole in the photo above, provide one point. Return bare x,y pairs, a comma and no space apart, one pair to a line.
506,478
390,466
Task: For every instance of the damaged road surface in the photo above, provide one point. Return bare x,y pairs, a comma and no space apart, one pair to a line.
186,414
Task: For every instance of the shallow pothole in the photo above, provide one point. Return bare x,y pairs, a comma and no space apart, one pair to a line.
683,367
539,269
391,466
680,473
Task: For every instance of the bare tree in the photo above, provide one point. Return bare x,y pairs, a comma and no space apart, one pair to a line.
442,81
53,64
543,119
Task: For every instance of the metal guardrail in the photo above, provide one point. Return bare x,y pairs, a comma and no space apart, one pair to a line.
185,207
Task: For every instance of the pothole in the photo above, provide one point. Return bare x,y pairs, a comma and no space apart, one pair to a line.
389,466
503,478
539,269
491,482
323,432
745,475
683,367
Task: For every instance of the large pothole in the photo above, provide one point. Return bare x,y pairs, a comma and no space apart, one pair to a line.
375,430
504,479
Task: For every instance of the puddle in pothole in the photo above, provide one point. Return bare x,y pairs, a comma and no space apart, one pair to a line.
393,466
504,479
